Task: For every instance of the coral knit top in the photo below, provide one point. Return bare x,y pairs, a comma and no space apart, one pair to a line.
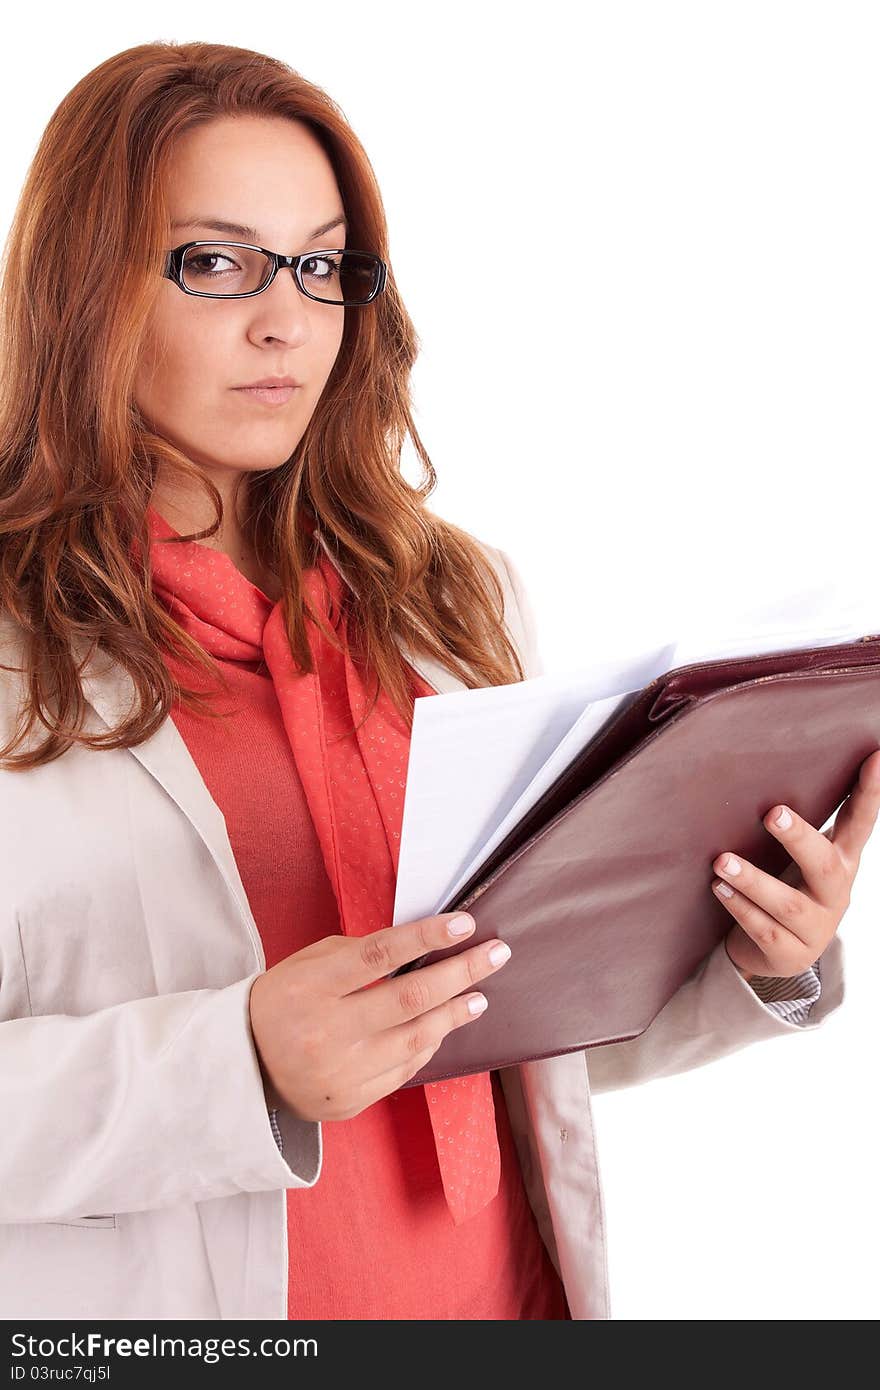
373,1238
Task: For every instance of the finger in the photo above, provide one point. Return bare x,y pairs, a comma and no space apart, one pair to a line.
406,1048
857,816
779,945
822,868
407,996
374,956
764,898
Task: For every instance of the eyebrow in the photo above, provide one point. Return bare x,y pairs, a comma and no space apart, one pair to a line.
237,229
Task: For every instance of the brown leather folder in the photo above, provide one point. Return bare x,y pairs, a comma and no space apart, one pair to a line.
602,890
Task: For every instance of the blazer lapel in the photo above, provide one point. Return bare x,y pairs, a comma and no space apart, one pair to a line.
110,691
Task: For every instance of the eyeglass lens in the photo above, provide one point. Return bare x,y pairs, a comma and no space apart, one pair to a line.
334,277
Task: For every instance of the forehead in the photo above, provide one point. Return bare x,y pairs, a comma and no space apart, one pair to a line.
253,178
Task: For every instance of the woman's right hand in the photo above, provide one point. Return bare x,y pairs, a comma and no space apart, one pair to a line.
333,1035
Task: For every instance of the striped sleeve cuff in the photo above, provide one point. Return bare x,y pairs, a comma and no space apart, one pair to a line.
273,1121
790,998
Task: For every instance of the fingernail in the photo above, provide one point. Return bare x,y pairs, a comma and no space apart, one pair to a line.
477,1003
731,865
783,820
461,925
499,953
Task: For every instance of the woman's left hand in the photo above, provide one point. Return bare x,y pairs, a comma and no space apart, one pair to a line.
782,930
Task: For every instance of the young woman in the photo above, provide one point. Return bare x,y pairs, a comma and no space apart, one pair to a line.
219,600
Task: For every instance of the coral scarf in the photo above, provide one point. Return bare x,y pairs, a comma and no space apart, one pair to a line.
357,813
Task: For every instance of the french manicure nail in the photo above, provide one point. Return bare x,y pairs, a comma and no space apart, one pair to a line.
500,952
461,925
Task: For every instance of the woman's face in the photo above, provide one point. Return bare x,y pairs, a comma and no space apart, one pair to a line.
273,175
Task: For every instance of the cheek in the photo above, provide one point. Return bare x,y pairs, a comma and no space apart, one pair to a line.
178,368
327,341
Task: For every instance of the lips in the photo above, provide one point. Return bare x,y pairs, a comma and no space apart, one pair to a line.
269,395
270,382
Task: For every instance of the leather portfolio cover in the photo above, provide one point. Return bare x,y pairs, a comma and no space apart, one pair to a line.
602,889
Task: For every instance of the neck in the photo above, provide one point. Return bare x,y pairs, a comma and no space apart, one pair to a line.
192,511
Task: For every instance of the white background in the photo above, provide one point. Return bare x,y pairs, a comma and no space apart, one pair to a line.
640,246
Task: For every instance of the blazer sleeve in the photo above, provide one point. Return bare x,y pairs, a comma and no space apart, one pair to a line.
716,1010
140,1105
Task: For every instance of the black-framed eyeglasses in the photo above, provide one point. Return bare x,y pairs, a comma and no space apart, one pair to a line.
236,270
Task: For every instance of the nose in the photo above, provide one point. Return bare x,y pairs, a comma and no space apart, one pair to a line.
284,305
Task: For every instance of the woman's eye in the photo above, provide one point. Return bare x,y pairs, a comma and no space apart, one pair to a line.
328,268
196,264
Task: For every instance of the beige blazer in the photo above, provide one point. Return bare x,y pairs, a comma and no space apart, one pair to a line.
139,1176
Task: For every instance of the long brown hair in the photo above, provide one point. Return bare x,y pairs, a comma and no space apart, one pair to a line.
78,462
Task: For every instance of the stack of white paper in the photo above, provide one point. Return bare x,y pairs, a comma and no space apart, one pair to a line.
479,759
